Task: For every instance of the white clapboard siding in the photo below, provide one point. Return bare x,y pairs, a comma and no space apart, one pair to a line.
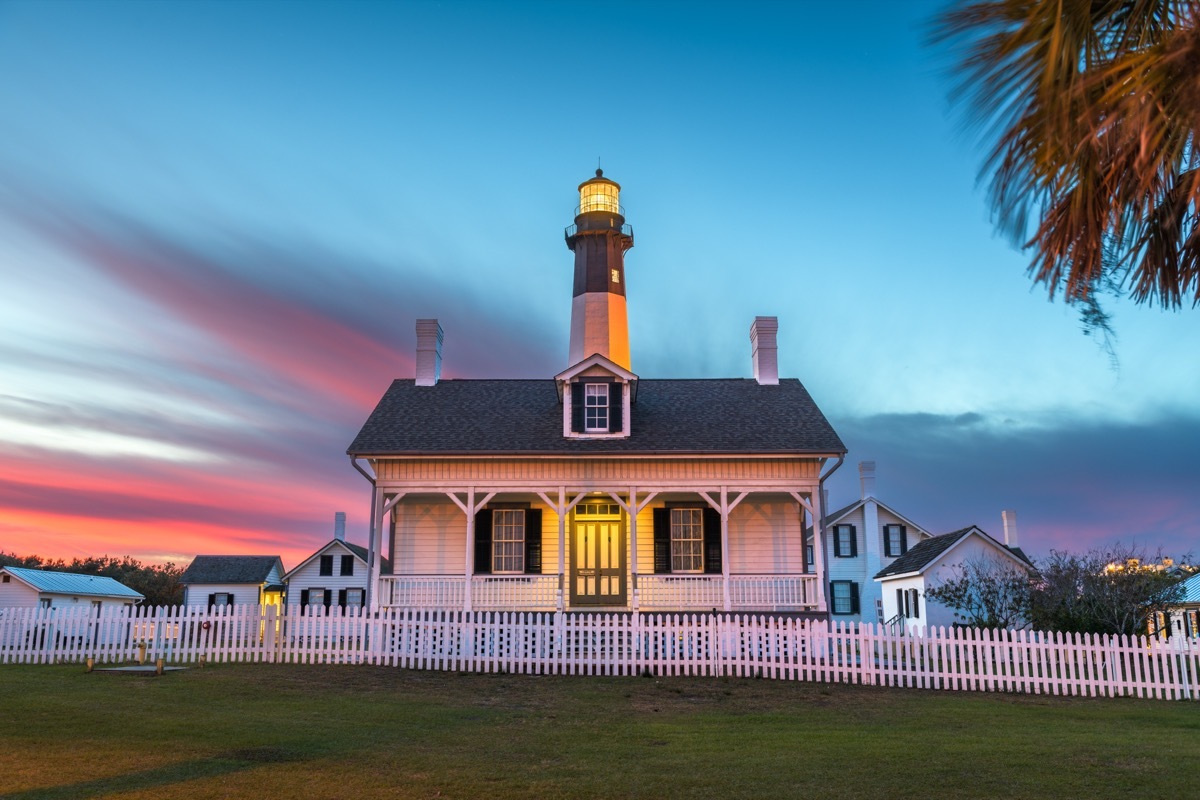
243,593
695,644
308,575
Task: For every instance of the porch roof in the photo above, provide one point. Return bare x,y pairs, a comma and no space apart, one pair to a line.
524,417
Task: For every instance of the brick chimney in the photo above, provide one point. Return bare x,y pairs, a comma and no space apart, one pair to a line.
764,351
866,477
429,352
1010,528
339,526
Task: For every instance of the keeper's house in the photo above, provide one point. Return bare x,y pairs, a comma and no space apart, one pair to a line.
596,489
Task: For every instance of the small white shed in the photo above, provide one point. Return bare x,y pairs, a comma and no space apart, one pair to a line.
22,587
233,581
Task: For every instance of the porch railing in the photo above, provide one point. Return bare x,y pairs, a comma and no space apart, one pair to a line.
540,592
760,592
523,592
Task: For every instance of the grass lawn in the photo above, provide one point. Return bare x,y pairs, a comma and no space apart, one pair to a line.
255,731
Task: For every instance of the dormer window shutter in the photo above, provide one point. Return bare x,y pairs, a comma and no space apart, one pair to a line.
533,541
616,418
577,407
483,542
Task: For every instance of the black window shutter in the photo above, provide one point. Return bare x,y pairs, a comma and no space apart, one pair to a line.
899,602
712,541
833,609
328,598
616,419
483,542
853,541
341,598
854,608
212,600
903,540
577,407
916,597
837,541
533,541
662,540
303,598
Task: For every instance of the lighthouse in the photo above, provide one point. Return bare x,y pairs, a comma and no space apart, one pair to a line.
599,239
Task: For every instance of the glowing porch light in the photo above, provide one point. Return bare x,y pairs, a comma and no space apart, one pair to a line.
600,194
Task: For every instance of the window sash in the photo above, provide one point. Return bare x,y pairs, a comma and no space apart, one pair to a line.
316,597
595,407
843,541
687,540
354,598
508,540
843,597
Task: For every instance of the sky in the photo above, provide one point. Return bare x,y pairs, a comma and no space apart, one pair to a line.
220,221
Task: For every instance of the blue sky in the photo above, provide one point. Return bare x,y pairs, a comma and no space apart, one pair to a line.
218,222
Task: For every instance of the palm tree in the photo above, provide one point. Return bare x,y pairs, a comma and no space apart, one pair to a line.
1091,110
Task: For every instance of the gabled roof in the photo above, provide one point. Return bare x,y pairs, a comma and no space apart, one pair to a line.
230,569
836,516
1191,589
927,551
524,417
595,360
357,550
73,583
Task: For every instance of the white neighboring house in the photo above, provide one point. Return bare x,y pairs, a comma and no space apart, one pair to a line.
860,540
233,580
1185,617
906,580
336,575
21,587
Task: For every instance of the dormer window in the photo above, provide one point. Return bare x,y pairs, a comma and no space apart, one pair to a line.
596,407
596,395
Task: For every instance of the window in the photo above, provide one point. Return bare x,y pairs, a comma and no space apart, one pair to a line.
687,540
45,602
347,565
352,598
845,542
5,579
916,604
895,540
595,407
220,599
313,597
808,558
908,603
508,540
326,565
843,597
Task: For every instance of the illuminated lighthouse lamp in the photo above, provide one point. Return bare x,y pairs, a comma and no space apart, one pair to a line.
600,194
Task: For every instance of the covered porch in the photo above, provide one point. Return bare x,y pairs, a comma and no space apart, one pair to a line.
667,547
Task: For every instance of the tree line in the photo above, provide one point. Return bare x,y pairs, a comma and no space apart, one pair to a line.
1115,590
158,582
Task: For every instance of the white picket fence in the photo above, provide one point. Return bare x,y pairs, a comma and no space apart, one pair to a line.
782,648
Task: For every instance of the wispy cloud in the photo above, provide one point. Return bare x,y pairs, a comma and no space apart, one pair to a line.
1073,484
217,417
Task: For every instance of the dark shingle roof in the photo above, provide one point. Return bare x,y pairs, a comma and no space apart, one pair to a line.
927,551
229,569
525,417
922,553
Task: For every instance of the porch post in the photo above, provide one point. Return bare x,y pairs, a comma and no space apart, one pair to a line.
562,544
633,567
818,515
725,547
375,548
469,565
